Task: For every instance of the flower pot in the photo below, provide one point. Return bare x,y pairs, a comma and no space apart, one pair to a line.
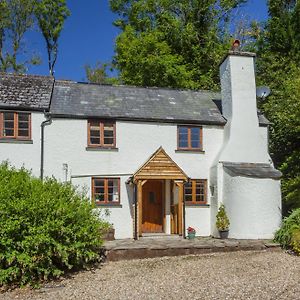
191,235
223,234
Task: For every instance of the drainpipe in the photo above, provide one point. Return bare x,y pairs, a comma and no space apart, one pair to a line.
135,212
48,121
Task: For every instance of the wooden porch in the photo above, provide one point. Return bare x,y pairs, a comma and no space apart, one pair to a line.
149,214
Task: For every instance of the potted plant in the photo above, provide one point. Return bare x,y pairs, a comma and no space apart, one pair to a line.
191,233
222,222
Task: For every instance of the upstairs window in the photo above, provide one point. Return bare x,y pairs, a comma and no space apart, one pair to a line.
15,125
190,138
195,191
106,190
101,133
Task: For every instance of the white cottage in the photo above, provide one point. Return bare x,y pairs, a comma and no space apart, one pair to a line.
160,160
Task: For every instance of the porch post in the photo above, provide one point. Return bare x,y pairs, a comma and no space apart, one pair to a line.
180,208
140,206
140,184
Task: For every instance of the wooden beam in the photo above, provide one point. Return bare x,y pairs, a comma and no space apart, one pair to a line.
140,184
180,207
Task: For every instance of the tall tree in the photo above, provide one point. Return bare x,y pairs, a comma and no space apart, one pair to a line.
278,67
51,15
16,17
172,43
99,74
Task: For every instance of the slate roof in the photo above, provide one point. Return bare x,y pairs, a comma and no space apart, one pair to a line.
29,92
254,170
82,100
124,102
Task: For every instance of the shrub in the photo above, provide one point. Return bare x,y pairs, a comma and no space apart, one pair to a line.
222,222
46,228
289,233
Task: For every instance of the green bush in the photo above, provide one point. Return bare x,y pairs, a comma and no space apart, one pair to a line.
46,228
289,233
222,222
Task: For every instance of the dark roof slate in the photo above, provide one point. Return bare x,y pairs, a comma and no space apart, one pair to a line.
124,102
25,91
81,100
254,170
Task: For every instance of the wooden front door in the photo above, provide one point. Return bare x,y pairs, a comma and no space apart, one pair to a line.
152,215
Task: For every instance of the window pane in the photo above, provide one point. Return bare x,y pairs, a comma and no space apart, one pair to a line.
108,141
23,117
196,144
113,190
23,132
95,141
108,134
183,130
195,137
8,124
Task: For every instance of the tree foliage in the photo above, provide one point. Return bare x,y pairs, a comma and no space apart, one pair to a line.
16,17
99,74
172,43
278,48
51,15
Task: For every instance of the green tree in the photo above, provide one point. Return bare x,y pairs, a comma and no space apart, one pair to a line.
98,74
51,15
172,43
278,47
16,18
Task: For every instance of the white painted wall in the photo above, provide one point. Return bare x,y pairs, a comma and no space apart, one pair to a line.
242,134
22,153
66,142
198,217
253,206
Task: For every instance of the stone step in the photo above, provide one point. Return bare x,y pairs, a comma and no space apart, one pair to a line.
159,236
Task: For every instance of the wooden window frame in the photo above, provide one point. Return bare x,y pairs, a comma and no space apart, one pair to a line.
190,148
194,202
105,202
101,125
16,135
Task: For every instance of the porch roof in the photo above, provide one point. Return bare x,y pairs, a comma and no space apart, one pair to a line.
160,166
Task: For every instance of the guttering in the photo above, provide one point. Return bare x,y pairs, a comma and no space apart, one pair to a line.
48,121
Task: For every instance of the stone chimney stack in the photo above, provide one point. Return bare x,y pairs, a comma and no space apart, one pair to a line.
243,142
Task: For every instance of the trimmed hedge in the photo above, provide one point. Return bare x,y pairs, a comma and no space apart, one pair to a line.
289,233
46,228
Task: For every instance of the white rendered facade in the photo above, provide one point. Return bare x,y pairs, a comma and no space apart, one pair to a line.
253,204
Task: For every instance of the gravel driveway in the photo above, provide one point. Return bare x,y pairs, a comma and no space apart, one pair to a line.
234,275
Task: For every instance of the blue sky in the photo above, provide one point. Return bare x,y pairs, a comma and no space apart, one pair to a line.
88,37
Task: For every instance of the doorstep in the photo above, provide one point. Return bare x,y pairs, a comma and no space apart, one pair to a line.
148,247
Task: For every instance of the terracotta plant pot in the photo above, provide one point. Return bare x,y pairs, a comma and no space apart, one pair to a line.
223,234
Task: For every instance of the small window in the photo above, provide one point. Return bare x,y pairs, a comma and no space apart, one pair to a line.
15,125
195,191
189,138
101,133
106,190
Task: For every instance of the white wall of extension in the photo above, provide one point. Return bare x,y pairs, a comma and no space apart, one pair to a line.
253,206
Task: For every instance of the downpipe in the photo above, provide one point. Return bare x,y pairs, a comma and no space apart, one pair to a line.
46,122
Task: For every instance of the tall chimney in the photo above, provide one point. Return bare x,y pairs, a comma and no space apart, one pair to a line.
242,139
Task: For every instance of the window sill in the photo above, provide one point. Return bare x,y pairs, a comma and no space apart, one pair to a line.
16,141
197,205
189,150
108,205
89,148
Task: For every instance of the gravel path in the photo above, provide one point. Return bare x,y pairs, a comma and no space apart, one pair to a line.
234,275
